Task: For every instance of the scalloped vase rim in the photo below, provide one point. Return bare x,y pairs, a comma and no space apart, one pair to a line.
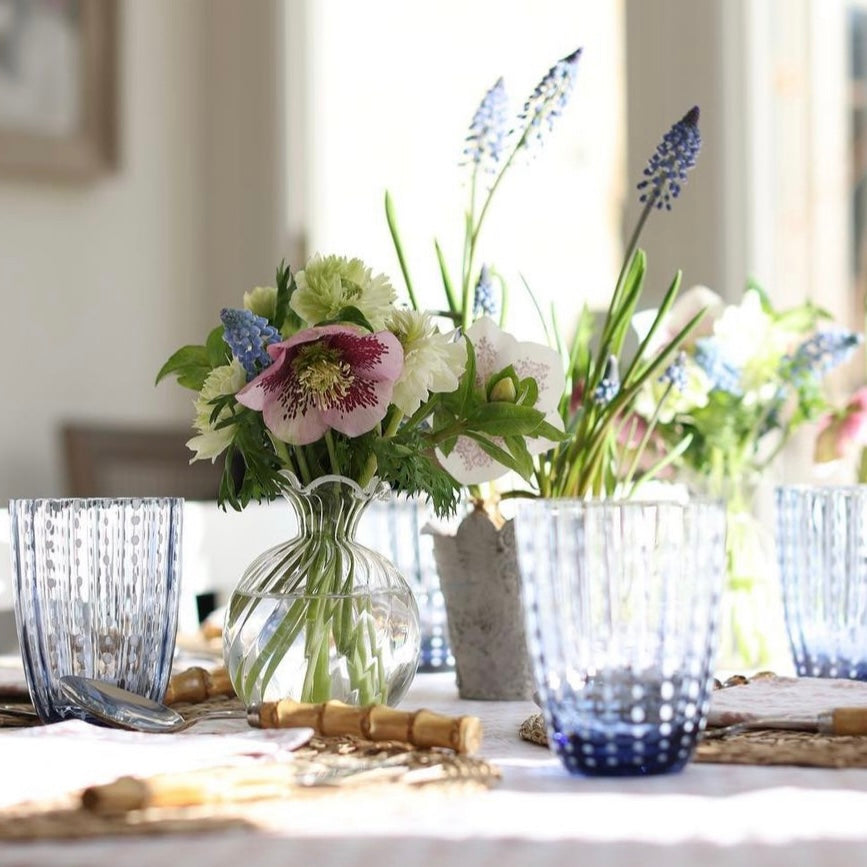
375,489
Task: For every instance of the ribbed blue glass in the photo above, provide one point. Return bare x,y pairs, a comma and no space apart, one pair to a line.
822,557
621,601
96,594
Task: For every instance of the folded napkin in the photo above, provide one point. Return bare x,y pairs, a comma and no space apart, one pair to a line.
48,762
784,697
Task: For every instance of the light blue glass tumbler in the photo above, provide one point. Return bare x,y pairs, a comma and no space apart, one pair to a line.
822,557
621,601
96,585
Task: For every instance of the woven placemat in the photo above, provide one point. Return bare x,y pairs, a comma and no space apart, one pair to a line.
439,772
758,747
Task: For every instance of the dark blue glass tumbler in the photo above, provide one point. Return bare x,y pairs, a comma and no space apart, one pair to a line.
621,602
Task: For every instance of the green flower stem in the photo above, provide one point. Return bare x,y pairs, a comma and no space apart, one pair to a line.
648,433
631,248
368,471
306,478
392,423
332,454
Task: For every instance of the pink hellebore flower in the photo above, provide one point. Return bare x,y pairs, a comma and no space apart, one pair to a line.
840,432
331,376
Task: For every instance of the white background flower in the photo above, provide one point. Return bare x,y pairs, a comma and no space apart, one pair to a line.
210,443
432,362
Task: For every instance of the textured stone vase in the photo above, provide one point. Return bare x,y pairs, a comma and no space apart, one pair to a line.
478,569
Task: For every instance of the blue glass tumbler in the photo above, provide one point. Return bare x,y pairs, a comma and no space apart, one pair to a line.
621,601
822,557
96,586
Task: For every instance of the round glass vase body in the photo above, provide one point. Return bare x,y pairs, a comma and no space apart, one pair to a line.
322,617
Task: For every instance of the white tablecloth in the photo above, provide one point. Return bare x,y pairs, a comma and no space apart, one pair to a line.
538,815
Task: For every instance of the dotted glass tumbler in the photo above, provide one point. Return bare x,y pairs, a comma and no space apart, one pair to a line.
96,594
621,601
822,556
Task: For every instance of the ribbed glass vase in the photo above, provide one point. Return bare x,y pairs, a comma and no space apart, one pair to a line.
321,616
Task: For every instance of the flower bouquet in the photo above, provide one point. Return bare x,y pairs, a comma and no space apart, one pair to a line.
323,389
750,377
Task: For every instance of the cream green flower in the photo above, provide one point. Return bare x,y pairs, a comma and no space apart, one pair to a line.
328,284
262,301
210,443
432,362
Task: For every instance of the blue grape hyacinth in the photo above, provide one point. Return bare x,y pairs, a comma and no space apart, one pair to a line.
675,373
723,375
823,352
546,103
484,302
247,335
667,168
609,385
487,135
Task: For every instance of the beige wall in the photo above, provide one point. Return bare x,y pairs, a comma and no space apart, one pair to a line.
99,283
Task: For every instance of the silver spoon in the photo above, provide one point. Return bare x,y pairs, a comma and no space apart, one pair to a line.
124,709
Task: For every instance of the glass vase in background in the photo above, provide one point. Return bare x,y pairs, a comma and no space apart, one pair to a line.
752,632
401,528
749,593
321,616
96,586
822,552
621,605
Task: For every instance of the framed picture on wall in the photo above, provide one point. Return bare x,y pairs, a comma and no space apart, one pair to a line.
58,77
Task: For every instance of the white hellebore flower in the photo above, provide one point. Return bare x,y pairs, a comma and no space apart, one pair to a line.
228,379
432,362
328,284
495,350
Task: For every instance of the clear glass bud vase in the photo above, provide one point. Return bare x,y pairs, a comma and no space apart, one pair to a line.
322,617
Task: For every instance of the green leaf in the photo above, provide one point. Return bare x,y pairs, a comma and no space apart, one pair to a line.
622,316
536,304
494,451
505,419
447,280
667,302
348,315
285,282
219,352
528,392
547,431
391,219
447,446
517,447
464,397
190,364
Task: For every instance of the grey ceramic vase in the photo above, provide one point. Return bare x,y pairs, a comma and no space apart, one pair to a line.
479,578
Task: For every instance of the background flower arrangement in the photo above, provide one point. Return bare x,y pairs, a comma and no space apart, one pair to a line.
750,376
